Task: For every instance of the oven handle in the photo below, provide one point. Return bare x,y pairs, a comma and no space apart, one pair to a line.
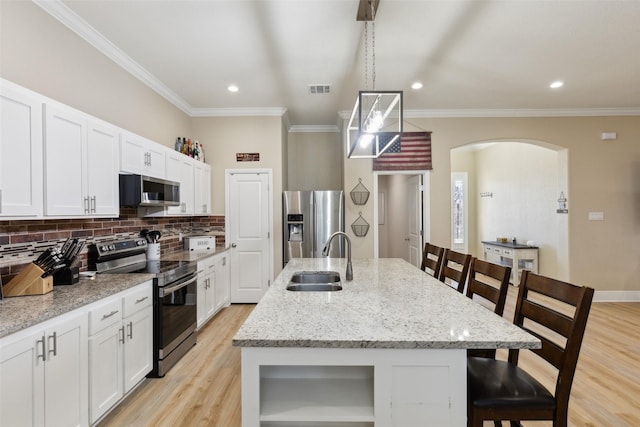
166,291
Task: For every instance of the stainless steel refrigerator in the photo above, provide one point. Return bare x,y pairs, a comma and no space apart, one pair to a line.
309,218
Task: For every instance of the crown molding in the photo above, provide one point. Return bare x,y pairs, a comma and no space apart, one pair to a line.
518,112
522,112
75,23
314,128
237,112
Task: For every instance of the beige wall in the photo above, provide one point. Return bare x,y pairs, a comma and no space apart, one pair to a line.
604,176
38,52
315,161
223,137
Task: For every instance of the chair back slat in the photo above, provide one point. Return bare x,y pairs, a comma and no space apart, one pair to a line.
547,317
432,259
455,266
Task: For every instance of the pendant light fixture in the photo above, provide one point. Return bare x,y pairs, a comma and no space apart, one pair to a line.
376,120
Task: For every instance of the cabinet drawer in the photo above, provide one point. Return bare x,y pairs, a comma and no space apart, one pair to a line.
507,252
137,300
105,315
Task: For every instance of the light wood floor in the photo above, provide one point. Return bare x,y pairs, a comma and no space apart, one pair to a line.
203,389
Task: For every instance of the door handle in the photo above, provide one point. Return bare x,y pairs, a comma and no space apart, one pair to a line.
233,245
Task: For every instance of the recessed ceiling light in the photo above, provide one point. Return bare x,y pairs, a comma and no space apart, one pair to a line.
233,88
416,86
557,84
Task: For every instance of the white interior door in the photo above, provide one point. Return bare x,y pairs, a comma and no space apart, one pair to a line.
414,220
248,217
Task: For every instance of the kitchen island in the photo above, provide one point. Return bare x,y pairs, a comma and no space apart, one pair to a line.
387,350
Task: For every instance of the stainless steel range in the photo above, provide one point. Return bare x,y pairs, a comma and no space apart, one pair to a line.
175,290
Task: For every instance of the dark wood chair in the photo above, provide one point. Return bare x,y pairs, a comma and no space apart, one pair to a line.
488,284
455,266
556,312
432,259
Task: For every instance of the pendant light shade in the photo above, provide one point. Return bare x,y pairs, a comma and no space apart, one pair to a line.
375,123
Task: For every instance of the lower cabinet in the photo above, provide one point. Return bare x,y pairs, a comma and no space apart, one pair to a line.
206,304
44,374
213,286
120,347
324,387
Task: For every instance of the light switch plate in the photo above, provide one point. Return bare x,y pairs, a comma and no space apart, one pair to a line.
596,216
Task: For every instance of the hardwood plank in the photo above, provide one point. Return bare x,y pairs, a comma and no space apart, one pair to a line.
203,389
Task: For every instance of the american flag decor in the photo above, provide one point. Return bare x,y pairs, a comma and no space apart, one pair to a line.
411,152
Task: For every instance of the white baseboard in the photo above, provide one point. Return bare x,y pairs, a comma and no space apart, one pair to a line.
616,296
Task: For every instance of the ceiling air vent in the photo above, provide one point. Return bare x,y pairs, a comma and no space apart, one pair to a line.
319,89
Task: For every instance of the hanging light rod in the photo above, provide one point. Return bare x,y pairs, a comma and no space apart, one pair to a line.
367,10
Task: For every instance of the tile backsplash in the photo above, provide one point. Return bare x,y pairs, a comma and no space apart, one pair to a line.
22,241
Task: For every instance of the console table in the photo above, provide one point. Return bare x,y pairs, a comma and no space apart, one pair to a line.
518,257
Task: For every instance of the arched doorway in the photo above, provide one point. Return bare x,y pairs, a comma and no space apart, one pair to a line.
513,191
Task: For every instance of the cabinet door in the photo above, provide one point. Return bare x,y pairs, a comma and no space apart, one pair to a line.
64,166
132,153
102,169
180,169
138,347
156,162
201,301
222,282
66,381
20,153
202,188
206,189
22,381
105,369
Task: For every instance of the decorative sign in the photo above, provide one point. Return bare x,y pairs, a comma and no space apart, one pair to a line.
247,157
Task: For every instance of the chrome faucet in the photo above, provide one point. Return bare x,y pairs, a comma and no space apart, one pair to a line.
325,251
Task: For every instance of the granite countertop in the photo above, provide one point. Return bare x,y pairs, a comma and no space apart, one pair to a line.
18,313
389,304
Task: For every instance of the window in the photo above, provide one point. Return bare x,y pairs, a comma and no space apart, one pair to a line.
459,212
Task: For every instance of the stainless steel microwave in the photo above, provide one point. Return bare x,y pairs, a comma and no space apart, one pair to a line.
140,190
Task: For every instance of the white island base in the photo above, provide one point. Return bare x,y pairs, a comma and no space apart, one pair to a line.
353,387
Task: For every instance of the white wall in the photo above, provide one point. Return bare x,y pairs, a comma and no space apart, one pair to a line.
524,181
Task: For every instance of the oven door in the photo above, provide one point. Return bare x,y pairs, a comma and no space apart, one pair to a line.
177,316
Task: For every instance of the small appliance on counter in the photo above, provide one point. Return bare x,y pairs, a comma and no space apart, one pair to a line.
200,243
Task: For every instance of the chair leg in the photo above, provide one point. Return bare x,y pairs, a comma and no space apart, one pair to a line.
497,423
515,424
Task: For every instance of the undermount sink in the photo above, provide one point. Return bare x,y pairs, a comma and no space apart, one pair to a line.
315,281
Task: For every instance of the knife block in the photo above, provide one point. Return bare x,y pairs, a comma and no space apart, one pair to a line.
28,282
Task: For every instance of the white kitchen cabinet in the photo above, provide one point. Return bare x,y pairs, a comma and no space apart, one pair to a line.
202,188
120,346
206,304
180,169
142,156
20,152
222,281
81,164
44,374
213,286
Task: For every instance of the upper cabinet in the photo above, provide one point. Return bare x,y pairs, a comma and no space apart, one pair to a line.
141,156
202,188
180,169
20,153
80,164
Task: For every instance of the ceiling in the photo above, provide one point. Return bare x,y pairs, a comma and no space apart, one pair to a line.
474,58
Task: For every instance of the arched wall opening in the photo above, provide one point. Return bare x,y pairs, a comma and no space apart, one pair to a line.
513,191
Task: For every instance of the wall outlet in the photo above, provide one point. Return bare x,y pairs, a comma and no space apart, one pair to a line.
596,216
